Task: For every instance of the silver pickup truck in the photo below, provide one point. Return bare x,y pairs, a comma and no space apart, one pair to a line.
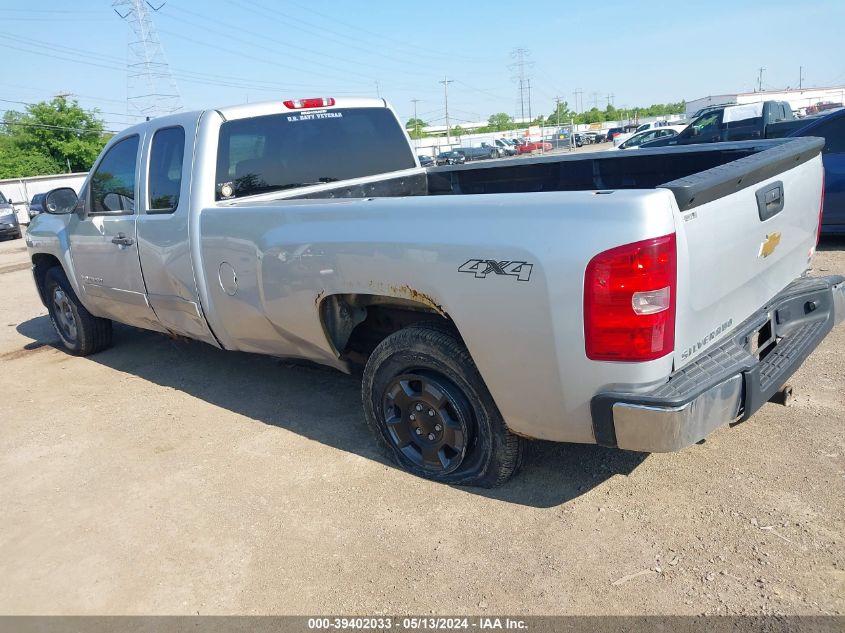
631,300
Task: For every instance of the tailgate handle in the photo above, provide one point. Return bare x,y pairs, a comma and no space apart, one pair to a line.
770,200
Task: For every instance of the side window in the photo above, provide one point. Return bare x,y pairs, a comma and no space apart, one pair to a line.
113,184
709,122
165,181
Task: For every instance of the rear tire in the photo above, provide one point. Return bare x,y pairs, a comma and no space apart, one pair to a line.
80,332
429,409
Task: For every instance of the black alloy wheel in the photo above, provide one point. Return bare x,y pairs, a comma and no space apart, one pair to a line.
428,420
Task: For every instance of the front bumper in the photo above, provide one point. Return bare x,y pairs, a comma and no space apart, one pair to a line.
729,383
8,230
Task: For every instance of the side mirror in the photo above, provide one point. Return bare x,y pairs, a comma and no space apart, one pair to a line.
60,201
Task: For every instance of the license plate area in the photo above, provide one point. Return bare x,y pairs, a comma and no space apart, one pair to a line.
762,340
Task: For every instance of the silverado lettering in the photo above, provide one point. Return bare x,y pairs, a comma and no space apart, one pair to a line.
707,340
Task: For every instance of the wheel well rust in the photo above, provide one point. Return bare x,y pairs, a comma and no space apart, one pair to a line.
355,323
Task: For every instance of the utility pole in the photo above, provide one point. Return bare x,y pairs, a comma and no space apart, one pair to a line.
800,77
530,118
610,99
446,83
557,111
760,79
150,88
378,92
575,94
596,100
416,123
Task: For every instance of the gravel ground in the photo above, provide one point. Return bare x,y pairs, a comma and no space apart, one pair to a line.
168,477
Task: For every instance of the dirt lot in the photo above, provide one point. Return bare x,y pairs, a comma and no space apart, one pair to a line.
169,477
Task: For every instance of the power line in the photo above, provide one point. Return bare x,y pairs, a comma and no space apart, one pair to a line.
27,103
80,130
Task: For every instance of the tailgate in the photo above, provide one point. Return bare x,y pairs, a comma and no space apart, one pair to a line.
745,230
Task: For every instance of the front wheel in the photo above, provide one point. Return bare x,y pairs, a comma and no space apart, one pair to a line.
429,408
80,331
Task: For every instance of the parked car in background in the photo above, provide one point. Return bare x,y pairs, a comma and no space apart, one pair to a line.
450,158
613,132
496,148
832,129
506,146
766,119
36,205
601,137
478,153
638,138
558,141
425,161
534,146
651,126
9,225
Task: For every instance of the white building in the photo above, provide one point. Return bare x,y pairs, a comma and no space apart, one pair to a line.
21,190
796,98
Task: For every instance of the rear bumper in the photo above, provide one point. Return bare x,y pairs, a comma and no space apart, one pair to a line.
729,383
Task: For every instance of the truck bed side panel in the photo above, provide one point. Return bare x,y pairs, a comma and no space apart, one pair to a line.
525,335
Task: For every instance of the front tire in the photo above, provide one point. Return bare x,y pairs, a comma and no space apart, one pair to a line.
429,409
80,332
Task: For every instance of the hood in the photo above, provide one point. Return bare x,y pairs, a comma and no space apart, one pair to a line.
7,215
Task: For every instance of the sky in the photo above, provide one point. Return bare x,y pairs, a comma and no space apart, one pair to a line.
224,52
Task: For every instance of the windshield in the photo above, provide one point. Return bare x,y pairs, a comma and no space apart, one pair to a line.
309,147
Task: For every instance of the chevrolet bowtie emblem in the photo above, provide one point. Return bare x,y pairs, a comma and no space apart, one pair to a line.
769,245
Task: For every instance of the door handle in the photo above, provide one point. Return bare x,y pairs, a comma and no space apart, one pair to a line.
121,240
770,200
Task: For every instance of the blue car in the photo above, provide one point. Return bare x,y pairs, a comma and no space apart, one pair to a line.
832,129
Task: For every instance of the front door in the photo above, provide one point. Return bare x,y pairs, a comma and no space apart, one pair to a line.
104,244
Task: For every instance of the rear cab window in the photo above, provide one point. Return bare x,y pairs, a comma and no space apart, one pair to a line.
308,147
165,178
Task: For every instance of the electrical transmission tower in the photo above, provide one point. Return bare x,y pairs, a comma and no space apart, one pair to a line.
150,88
520,67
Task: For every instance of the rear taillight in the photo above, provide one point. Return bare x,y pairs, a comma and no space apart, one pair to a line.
821,211
319,102
629,301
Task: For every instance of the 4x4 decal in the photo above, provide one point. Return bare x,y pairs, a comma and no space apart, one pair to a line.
483,267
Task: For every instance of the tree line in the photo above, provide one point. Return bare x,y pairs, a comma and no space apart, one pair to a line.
50,137
502,122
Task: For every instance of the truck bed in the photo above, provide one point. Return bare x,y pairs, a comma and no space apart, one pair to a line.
688,174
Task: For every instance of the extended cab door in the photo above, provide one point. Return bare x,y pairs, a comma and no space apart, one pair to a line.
164,243
103,241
